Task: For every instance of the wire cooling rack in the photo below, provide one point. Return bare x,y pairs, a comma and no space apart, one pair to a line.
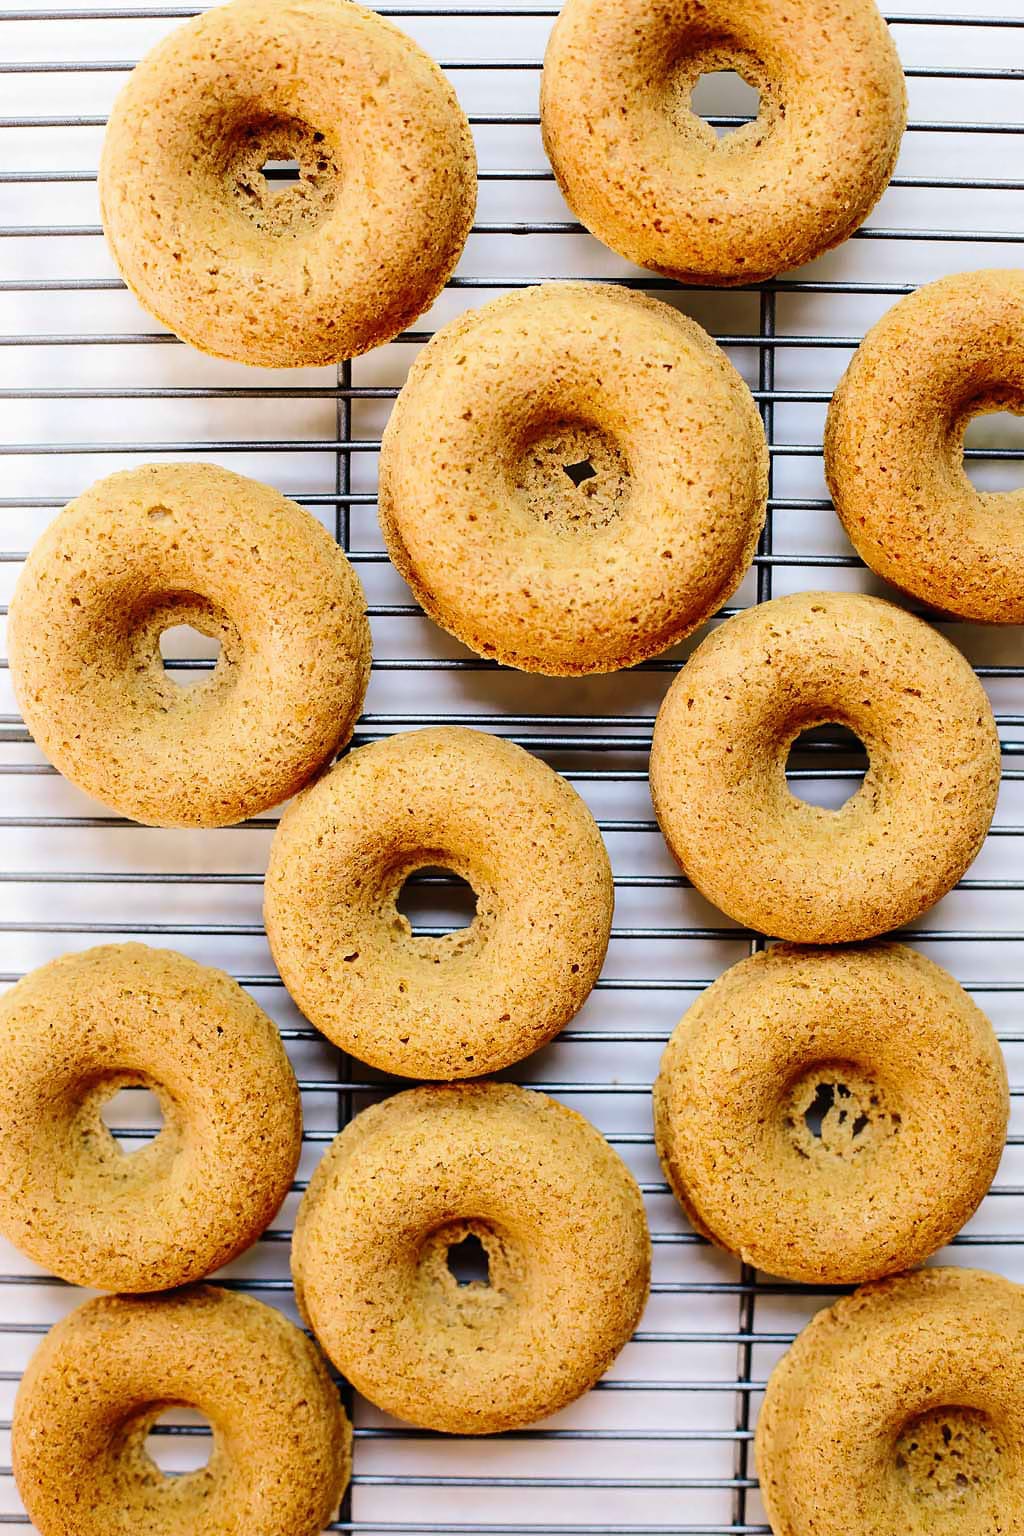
88,385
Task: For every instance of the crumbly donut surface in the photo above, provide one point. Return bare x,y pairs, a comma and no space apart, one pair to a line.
557,1212
899,1409
832,1116
282,1445
167,544
573,478
721,740
73,1033
894,446
478,998
650,178
271,273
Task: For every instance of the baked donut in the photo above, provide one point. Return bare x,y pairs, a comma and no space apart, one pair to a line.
168,544
72,1034
894,443
322,269
282,1445
802,1131
649,178
901,1409
478,998
718,767
573,478
557,1213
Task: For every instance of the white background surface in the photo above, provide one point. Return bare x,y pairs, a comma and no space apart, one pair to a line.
662,1437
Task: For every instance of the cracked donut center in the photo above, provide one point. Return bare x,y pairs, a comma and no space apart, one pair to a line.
947,1455
282,173
572,477
837,1111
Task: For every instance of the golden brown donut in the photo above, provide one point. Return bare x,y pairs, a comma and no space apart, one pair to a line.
832,1115
74,1032
303,274
282,1445
557,1213
900,1412
593,570
168,544
476,999
649,178
718,761
894,446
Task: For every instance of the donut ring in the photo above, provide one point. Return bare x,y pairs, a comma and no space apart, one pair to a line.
907,1145
150,548
718,762
483,505
900,1409
649,178
561,1221
75,1031
479,998
328,267
282,1445
894,443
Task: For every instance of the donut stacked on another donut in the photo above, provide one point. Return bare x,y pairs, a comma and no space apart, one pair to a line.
474,1000
648,176
71,1035
900,1409
718,767
282,1444
573,478
297,275
832,1115
163,545
560,1219
894,446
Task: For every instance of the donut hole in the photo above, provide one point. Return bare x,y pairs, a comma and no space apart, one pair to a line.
724,100
187,654
571,476
283,174
435,898
468,1273
993,443
826,765
279,173
179,641
126,1131
836,1110
179,1441
134,1117
829,1097
468,1261
579,472
947,1455
715,94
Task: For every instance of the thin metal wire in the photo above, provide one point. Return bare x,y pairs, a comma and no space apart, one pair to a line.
594,747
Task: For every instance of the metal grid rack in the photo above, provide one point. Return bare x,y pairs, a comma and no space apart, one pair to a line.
663,1444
